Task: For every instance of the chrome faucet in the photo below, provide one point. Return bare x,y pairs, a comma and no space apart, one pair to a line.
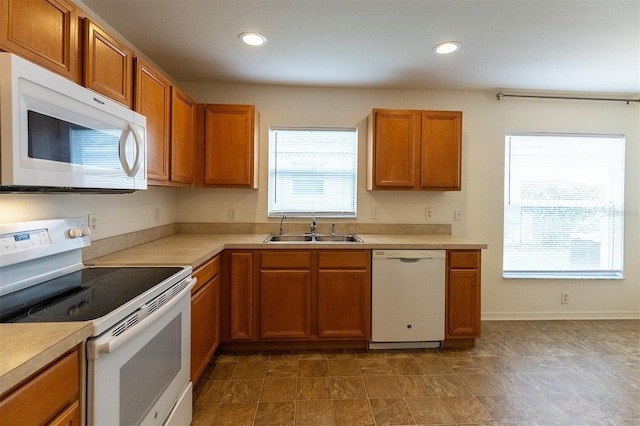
313,225
284,216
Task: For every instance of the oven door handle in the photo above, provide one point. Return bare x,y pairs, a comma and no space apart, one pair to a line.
109,343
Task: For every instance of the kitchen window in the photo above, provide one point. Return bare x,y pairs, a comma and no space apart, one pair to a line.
563,206
313,171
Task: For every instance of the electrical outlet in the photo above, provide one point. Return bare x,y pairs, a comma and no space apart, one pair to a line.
564,298
233,215
374,213
428,213
93,223
457,215
156,215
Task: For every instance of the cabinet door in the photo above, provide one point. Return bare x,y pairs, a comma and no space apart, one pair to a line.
463,295
285,304
205,311
241,296
44,32
153,100
343,304
441,148
230,146
40,400
182,137
344,294
69,417
108,65
395,150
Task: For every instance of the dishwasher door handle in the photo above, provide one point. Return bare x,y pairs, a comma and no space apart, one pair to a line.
410,259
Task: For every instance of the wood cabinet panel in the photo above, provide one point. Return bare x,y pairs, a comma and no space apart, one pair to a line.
241,296
334,259
40,399
286,259
344,301
464,259
414,150
70,416
205,326
462,300
285,304
230,146
44,32
182,137
153,100
108,65
396,144
440,165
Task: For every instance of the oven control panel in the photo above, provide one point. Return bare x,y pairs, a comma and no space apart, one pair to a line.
24,240
27,241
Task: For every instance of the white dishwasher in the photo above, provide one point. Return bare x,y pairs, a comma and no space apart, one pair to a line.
407,300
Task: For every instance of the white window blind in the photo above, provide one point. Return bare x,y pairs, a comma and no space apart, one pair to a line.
563,210
313,171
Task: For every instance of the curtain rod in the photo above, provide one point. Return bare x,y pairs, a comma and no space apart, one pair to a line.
499,96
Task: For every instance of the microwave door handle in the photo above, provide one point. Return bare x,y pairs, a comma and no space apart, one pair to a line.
130,171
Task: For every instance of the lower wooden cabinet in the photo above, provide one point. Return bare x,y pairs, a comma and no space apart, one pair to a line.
462,310
241,295
205,316
344,294
51,396
299,295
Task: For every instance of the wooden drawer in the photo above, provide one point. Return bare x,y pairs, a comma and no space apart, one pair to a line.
464,258
42,397
205,272
344,259
286,259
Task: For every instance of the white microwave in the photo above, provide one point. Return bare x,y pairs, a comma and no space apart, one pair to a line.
57,136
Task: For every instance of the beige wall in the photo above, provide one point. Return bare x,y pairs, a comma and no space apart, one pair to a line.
485,122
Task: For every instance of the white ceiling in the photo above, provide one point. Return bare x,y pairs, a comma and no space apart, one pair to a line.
541,45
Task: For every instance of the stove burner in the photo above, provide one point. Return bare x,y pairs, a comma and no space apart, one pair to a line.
83,295
81,306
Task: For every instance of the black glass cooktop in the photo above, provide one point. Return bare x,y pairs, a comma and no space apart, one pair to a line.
83,295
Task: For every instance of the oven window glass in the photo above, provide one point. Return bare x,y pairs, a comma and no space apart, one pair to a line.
57,140
144,378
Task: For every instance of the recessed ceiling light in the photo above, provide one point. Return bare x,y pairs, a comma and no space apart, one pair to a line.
446,47
253,39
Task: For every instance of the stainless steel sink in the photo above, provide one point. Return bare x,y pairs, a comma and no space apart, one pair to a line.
289,238
338,238
313,238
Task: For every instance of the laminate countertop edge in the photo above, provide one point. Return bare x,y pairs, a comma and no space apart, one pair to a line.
26,348
195,249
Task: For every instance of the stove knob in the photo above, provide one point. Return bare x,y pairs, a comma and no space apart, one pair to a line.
75,232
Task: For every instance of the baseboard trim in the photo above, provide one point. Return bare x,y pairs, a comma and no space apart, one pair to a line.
551,315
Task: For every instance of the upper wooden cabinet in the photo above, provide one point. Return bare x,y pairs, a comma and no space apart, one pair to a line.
44,32
108,64
230,146
414,150
153,100
183,110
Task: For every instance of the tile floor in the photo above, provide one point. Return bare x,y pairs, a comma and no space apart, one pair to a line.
529,373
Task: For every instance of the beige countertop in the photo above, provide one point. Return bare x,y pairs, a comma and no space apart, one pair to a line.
25,348
195,249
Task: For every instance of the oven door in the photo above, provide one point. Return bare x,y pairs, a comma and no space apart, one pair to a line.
141,375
